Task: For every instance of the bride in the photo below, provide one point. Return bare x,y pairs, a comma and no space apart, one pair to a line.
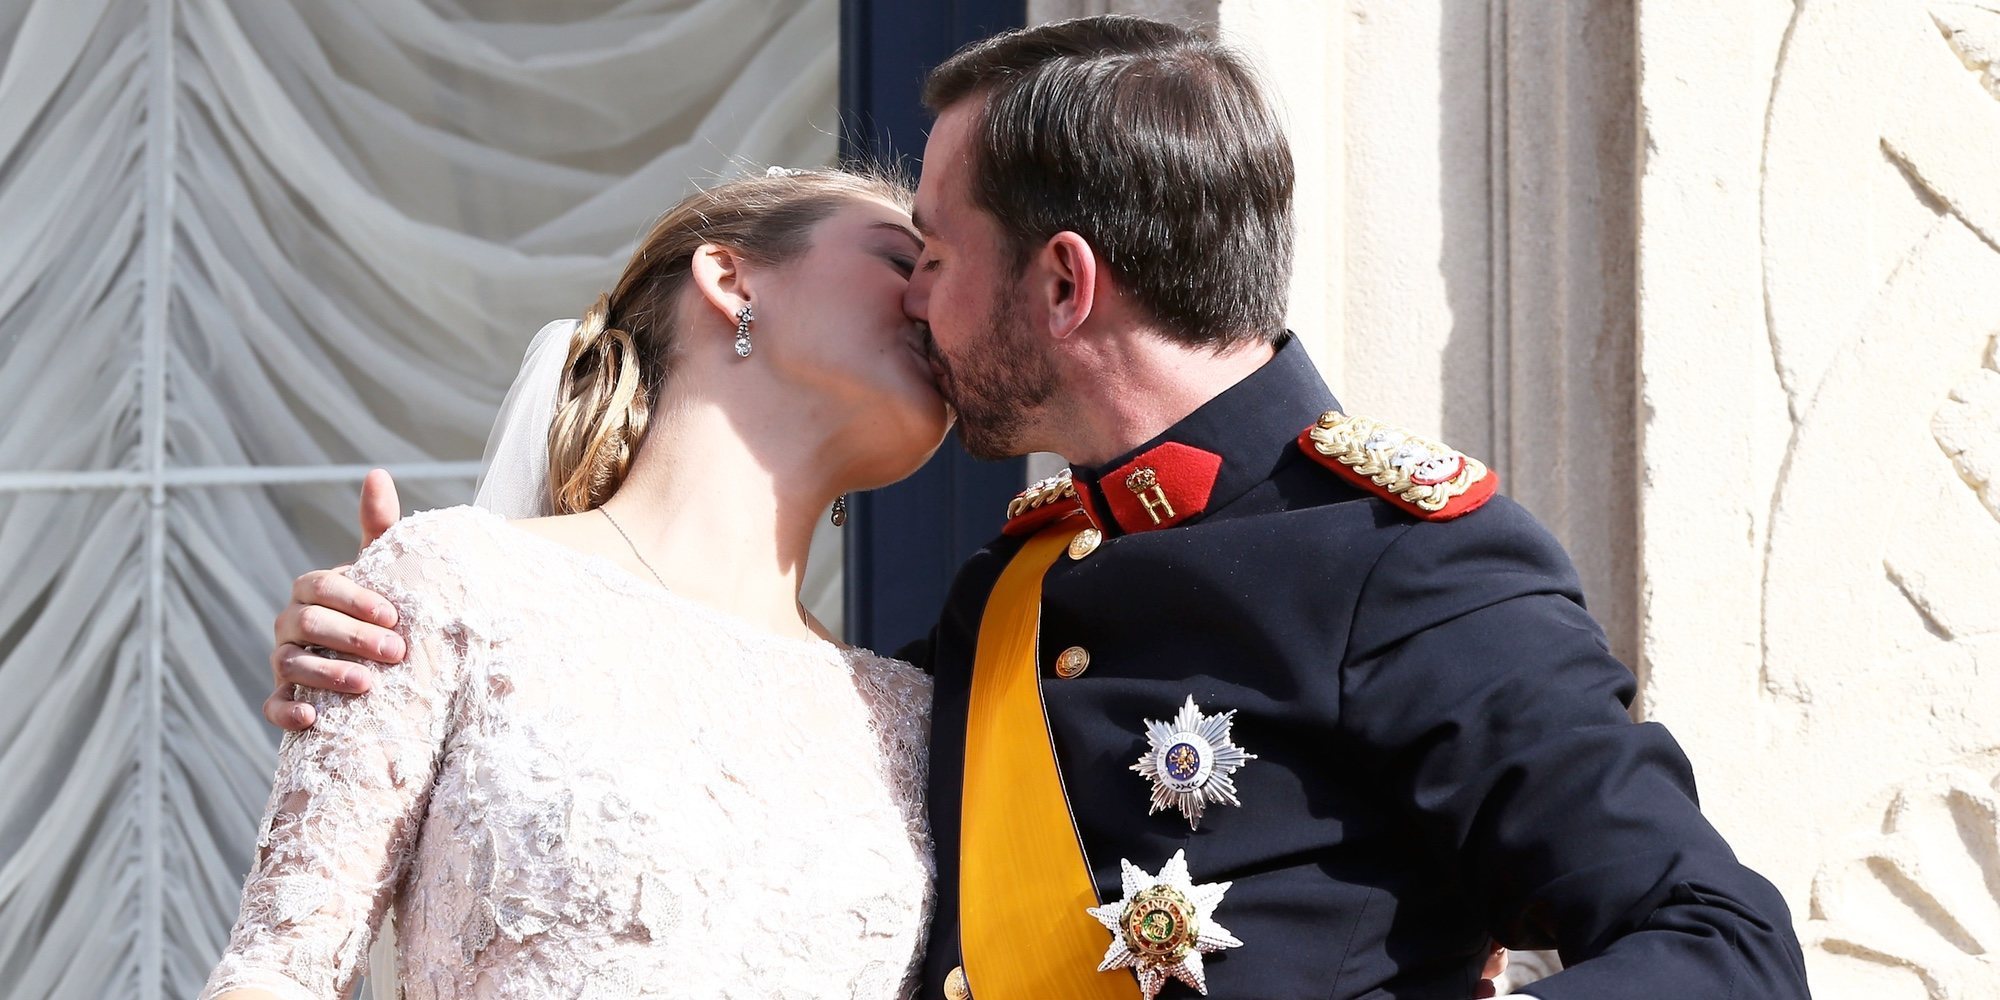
756,829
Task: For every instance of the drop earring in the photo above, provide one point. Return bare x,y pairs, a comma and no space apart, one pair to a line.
840,511
743,331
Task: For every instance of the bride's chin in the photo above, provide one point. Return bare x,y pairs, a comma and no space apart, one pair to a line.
894,459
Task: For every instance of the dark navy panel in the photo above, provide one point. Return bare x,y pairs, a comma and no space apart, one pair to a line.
905,542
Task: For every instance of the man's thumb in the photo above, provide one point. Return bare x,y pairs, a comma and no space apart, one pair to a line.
379,506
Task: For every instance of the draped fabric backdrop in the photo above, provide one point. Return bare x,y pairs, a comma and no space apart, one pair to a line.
247,249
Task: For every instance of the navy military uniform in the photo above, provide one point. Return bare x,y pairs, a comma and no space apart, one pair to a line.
1443,751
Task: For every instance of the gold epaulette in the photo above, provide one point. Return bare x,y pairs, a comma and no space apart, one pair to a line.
1419,475
1045,501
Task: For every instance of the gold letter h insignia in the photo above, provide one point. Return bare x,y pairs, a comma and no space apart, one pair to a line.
1145,484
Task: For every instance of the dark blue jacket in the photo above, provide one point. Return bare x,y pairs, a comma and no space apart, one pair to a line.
1445,753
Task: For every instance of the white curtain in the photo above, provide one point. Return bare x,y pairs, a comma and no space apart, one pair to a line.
247,249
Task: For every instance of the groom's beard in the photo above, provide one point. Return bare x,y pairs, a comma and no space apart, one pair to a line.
996,385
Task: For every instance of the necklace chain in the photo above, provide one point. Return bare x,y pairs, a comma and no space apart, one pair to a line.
606,511
804,615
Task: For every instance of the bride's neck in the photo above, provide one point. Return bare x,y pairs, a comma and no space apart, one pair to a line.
725,513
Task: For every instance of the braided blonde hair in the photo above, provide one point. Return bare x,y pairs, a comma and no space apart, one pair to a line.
622,352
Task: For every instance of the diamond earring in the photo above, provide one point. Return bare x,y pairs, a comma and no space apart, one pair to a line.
743,331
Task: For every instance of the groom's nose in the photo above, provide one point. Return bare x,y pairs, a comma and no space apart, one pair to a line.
917,298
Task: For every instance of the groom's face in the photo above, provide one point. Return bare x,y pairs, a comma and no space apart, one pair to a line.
992,368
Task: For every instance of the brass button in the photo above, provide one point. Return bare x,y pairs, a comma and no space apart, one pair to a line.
1073,662
1085,542
955,987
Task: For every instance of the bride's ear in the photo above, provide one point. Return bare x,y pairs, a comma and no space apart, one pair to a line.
719,276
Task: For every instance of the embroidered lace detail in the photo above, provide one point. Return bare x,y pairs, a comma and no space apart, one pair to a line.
579,785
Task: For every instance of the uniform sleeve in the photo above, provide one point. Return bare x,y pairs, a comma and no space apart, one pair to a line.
349,797
1485,696
919,652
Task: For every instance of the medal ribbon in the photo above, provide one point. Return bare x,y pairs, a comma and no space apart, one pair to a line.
1024,886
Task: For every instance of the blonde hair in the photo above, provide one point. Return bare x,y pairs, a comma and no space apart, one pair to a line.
621,354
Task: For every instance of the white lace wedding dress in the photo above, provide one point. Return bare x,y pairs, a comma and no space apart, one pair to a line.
581,785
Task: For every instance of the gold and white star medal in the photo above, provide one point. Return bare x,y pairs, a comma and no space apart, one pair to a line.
1163,926
1190,760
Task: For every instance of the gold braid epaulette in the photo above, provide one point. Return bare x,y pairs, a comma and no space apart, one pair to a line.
1046,502
1042,493
1422,476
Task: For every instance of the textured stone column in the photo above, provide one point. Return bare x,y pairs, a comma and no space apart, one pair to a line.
1819,293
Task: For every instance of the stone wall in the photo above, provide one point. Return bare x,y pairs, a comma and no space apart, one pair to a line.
1819,293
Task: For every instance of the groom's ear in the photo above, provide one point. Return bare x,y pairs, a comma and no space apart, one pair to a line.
718,275
1068,274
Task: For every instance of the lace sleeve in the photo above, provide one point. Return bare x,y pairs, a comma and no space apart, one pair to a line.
350,793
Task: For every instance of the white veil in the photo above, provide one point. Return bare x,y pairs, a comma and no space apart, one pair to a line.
514,472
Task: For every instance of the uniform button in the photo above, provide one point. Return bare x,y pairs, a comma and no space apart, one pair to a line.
1073,662
1085,542
955,987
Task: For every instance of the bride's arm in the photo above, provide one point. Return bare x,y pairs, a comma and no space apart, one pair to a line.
350,795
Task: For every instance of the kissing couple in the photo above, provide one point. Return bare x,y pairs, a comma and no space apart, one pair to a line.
1261,699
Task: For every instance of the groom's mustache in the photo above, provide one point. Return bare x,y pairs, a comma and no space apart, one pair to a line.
935,355
940,369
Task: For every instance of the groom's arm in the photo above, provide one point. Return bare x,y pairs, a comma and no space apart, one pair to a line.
918,652
331,614
1484,694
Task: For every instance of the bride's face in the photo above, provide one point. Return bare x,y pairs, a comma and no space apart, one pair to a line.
841,340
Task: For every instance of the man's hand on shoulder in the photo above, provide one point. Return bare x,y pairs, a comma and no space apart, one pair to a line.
331,615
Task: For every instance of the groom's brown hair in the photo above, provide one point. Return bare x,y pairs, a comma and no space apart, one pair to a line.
1152,142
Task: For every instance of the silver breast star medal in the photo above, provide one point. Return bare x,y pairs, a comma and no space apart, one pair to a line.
1189,762
1163,926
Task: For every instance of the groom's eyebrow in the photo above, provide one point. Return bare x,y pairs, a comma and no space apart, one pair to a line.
900,228
917,219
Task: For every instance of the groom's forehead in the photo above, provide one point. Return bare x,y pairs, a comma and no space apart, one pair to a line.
930,213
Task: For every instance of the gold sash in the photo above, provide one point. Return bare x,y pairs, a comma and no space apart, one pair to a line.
1023,882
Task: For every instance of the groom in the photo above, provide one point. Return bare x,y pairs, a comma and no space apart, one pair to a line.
1262,699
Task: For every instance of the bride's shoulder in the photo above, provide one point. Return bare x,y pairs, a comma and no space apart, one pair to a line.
891,675
434,532
425,544
444,567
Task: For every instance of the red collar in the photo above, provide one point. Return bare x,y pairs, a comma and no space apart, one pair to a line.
1203,463
1159,488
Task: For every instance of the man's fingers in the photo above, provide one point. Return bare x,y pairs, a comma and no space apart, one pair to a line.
281,711
379,506
332,590
312,625
293,664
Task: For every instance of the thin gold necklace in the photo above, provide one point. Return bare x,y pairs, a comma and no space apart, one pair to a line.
606,511
804,615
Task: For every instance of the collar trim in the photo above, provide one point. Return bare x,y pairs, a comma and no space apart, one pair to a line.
1161,487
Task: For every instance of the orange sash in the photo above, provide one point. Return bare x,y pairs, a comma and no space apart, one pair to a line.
1023,882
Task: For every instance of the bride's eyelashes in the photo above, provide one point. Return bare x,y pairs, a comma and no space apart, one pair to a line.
905,265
